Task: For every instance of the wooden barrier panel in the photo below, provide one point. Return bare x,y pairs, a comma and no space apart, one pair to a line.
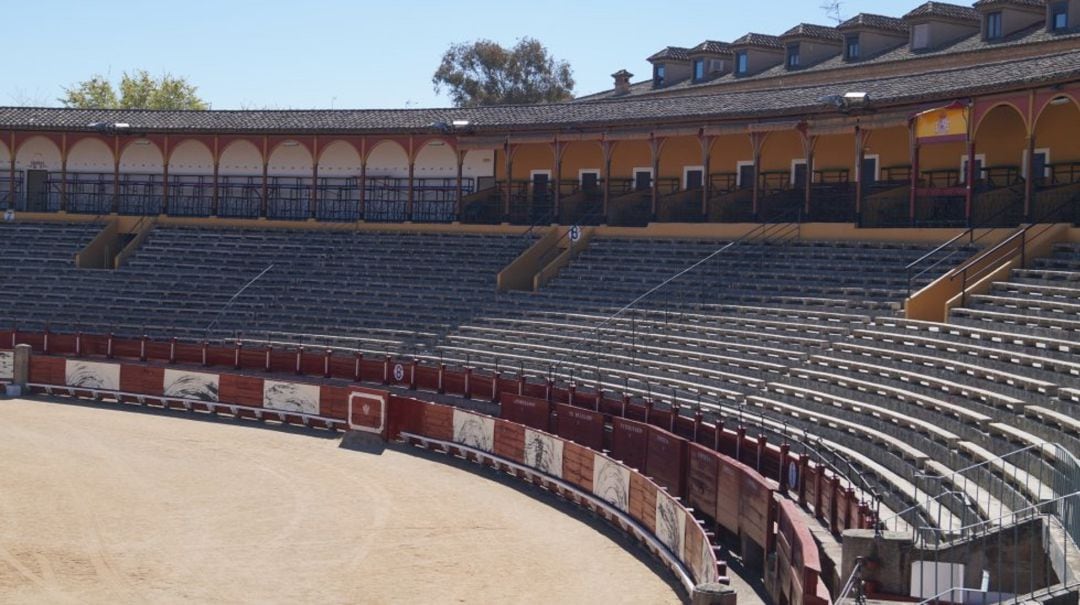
643,501
283,361
141,379
126,348
581,426
187,353
253,358
665,459
521,409
313,362
510,441
48,370
220,356
427,378
334,402
243,390
578,465
437,421
798,561
755,502
729,494
629,442
158,350
406,415
702,480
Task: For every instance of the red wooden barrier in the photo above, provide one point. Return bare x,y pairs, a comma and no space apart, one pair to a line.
581,426
510,441
529,411
702,480
334,401
630,442
665,460
145,380
48,370
243,390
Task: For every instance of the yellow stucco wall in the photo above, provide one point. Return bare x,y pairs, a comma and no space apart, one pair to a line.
1058,129
780,149
629,155
891,145
1002,137
835,152
679,152
532,156
728,150
941,156
581,155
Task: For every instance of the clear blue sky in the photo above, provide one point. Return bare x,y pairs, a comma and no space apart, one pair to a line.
357,54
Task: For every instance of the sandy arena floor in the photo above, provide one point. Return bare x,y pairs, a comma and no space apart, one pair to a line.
108,506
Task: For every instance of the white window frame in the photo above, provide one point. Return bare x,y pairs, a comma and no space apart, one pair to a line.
877,167
533,173
581,175
686,175
809,171
634,172
738,172
1046,169
979,157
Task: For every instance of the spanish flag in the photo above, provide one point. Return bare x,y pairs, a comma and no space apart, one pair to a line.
943,124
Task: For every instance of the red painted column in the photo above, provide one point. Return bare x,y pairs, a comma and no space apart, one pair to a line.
969,195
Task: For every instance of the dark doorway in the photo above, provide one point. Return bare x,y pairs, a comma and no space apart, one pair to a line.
642,180
694,179
590,181
746,176
37,190
799,181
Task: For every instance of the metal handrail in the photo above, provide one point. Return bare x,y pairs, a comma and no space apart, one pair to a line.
760,230
969,232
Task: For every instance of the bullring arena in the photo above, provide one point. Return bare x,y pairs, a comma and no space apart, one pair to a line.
135,508
794,319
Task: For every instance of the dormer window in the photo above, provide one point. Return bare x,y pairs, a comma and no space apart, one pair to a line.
1059,16
659,72
792,56
920,36
851,47
699,70
742,62
993,25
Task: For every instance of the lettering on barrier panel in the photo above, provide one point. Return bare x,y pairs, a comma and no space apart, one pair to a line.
521,409
7,365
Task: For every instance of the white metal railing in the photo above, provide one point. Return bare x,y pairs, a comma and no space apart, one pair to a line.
642,534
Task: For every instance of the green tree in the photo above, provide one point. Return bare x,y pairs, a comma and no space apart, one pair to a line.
138,90
484,73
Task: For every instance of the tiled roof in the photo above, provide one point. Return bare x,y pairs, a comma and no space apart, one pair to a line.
1018,3
711,47
817,32
878,22
939,86
759,40
944,10
671,53
969,46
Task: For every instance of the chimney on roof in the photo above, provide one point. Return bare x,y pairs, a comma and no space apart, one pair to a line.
622,81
